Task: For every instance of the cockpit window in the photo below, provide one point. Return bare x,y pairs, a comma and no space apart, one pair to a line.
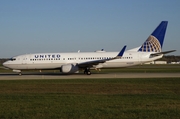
13,59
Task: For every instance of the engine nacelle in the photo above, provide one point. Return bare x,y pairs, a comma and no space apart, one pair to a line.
69,68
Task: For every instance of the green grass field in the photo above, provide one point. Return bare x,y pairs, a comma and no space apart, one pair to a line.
90,99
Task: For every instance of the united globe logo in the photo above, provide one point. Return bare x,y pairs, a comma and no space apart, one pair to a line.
151,45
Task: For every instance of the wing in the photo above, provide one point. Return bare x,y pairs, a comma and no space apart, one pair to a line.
96,62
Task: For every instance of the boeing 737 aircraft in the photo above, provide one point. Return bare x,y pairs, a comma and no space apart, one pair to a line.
150,50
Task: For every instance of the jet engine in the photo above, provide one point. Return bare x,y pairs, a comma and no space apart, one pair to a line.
69,68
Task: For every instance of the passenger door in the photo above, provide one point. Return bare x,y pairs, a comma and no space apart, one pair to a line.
24,62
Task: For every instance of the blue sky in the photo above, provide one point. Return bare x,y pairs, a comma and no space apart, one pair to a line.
35,26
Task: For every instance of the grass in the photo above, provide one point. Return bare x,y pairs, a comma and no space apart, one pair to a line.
91,98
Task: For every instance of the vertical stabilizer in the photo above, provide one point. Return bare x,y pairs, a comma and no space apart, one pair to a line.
155,41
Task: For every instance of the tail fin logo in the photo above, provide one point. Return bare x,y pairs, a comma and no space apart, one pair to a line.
155,41
152,44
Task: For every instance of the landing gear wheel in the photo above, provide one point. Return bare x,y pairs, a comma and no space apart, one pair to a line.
20,73
87,71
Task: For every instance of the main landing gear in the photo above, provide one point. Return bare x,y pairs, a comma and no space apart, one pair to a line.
20,73
87,71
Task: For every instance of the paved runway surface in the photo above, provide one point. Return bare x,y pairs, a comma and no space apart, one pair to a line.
25,76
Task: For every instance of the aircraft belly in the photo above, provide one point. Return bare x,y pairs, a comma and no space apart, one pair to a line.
119,64
44,66
36,66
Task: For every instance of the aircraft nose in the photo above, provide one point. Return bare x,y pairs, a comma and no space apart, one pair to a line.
5,64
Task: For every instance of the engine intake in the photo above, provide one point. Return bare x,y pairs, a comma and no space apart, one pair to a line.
69,68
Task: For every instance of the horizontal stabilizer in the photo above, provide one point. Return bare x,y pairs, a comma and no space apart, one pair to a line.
162,53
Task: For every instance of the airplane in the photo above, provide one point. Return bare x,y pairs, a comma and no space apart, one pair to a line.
150,50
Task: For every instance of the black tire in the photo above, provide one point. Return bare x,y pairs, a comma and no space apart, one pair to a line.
88,73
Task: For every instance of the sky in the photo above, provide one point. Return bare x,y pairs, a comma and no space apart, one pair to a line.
46,26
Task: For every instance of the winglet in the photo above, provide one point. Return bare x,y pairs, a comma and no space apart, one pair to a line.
121,52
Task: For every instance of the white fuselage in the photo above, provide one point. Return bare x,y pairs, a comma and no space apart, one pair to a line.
56,60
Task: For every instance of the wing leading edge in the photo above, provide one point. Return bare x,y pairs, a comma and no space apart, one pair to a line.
96,62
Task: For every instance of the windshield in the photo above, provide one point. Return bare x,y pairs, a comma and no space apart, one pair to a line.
12,59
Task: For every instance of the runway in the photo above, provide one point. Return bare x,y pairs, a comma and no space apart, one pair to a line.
34,76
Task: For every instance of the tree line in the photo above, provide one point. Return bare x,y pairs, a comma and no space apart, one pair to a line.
170,58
